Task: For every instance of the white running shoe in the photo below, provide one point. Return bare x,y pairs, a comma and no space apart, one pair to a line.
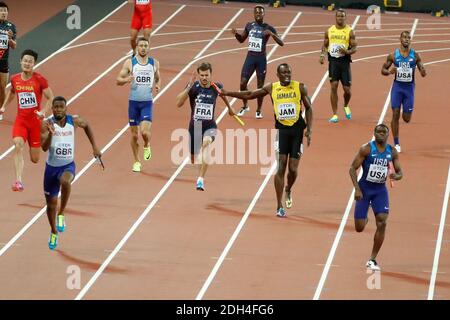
258,115
398,148
243,111
373,265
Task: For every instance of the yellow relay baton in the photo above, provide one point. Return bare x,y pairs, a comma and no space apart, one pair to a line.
238,120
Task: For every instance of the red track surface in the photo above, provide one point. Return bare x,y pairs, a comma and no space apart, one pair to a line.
176,246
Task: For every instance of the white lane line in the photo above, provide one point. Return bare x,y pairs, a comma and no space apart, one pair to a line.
437,252
252,204
340,231
87,166
144,214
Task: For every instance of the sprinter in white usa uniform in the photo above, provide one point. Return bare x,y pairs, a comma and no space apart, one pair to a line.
58,138
142,72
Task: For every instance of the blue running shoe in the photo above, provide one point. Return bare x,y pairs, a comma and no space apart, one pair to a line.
60,223
334,119
281,213
348,112
200,185
53,241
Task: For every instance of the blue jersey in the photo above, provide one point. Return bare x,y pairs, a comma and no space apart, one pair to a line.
406,66
144,76
203,103
376,165
256,39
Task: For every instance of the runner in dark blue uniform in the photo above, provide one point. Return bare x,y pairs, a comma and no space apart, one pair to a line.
7,40
405,61
371,190
258,33
202,124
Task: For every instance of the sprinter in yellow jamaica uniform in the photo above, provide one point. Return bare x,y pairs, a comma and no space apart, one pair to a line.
288,98
340,43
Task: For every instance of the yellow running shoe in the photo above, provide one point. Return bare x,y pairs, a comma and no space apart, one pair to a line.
348,112
60,223
334,119
53,241
147,153
288,199
137,167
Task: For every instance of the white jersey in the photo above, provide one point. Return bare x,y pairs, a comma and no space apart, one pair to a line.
62,147
144,76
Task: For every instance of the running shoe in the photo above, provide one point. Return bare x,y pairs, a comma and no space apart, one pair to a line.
258,115
137,167
288,199
334,119
53,241
243,111
348,112
281,213
147,153
17,186
60,223
373,265
398,148
1,117
200,185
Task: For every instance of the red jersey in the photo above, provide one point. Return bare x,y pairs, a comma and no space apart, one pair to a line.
28,93
143,6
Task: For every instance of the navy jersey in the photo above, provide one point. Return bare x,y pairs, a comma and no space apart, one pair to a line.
406,66
6,26
203,102
256,39
376,165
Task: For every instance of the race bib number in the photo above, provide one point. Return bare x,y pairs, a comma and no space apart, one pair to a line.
144,78
377,173
404,73
63,151
203,111
142,2
287,111
335,50
254,44
4,41
27,100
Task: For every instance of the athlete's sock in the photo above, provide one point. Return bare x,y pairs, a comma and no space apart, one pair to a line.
396,140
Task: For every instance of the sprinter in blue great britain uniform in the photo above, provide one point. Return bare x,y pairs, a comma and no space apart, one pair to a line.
142,72
258,33
58,138
405,61
371,190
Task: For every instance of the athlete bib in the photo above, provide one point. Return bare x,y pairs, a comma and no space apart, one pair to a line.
335,50
63,151
4,41
404,73
203,111
142,2
287,111
377,173
255,44
27,100
144,78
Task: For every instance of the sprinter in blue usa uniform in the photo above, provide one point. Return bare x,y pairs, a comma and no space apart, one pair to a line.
258,33
405,61
370,190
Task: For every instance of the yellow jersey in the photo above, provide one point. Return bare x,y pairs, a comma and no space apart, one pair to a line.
338,38
287,103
